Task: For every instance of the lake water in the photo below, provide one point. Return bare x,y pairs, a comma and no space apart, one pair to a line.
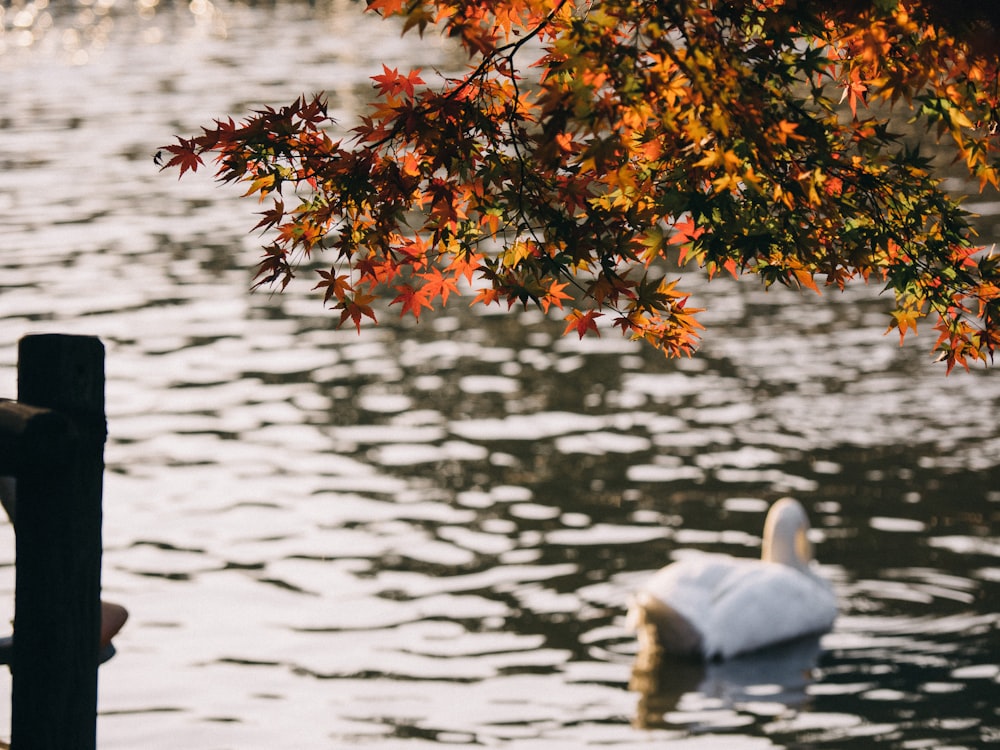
426,534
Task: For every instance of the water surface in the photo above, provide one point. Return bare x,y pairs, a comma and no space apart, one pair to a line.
426,534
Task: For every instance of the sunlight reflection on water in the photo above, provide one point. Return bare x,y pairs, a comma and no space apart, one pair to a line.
428,533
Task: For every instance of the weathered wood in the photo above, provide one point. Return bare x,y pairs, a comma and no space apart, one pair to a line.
27,431
15,416
58,538
61,372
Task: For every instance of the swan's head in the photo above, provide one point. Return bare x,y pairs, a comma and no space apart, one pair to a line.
786,535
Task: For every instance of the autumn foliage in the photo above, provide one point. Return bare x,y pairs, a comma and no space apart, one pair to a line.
591,148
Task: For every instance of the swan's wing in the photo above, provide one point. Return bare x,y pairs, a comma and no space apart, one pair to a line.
691,584
764,604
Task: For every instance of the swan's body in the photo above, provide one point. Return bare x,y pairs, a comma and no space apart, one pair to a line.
716,606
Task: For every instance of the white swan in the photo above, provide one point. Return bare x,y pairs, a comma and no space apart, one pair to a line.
715,606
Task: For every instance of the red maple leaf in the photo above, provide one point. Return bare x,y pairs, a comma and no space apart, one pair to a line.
391,83
387,7
185,156
583,322
336,286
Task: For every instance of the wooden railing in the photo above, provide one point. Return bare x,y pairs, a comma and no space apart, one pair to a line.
52,440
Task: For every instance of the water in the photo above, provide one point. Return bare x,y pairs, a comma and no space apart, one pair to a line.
425,535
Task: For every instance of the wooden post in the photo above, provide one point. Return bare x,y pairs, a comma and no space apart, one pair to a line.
58,533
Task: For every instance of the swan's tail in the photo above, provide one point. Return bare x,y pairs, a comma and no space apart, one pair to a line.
637,621
647,659
658,625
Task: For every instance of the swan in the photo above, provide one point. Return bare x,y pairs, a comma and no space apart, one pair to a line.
715,606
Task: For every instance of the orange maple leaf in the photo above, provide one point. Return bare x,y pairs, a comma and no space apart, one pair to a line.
386,7
553,296
411,299
439,285
854,91
685,233
356,308
487,296
904,320
465,264
582,322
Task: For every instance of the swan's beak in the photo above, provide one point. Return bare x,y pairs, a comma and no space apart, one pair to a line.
803,547
635,617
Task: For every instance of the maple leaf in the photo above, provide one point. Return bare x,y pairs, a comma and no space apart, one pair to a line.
904,320
465,264
417,15
356,308
386,7
732,149
272,216
437,285
412,300
336,285
487,296
582,322
273,266
854,91
185,156
803,276
410,165
608,289
631,323
391,83
376,272
786,131
686,231
554,295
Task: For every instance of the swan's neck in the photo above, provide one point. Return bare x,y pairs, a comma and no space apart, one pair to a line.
786,538
795,551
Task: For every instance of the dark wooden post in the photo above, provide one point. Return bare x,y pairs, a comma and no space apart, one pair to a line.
58,532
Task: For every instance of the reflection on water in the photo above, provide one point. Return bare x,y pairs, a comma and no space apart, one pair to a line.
428,533
728,694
